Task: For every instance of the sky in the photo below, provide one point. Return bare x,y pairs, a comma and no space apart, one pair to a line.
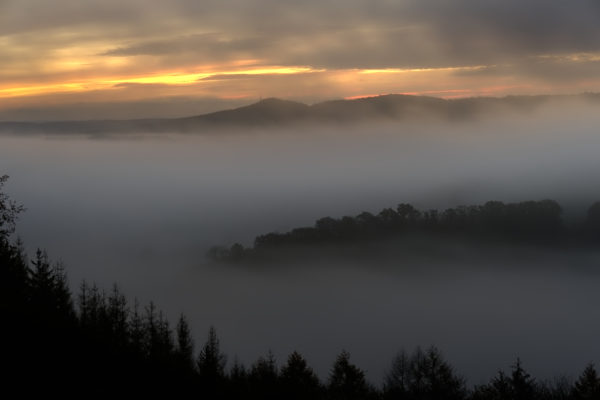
73,59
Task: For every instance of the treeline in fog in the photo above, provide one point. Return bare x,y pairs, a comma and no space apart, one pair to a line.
528,222
100,343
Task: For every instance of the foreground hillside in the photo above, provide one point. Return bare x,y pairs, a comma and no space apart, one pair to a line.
101,344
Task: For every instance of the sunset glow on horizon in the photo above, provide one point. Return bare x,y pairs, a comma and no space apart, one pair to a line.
56,55
213,73
164,78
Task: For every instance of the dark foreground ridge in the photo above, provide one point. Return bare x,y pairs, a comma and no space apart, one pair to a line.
275,112
97,344
528,222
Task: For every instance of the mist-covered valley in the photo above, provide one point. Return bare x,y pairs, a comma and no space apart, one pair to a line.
142,209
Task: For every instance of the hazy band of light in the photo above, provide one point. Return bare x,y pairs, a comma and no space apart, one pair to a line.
186,78
172,78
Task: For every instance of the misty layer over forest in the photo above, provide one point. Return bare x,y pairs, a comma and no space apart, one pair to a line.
103,345
273,112
143,209
373,236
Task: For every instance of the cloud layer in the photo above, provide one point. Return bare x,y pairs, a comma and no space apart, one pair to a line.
479,46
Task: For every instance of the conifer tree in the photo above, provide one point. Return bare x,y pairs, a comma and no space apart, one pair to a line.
238,381
211,362
264,378
211,365
425,374
136,329
502,386
151,332
347,381
523,385
185,344
50,294
62,294
9,212
298,381
587,386
397,379
14,277
117,316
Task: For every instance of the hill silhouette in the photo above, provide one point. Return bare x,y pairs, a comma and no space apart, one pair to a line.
537,223
264,112
277,112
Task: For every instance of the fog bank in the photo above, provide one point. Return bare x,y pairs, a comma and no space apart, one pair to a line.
141,210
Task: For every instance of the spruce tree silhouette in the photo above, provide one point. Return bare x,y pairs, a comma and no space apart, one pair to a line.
136,330
151,328
346,380
16,336
117,315
397,379
42,286
423,375
440,379
211,365
502,386
519,385
587,386
185,345
14,276
523,385
264,378
298,381
9,212
237,387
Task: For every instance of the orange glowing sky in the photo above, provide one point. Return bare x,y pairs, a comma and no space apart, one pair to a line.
105,56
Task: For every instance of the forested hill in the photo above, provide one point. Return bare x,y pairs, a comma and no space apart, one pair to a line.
276,112
528,222
391,107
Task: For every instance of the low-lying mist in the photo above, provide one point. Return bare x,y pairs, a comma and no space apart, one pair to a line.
142,210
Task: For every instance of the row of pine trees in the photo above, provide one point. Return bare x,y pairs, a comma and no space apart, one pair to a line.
527,222
98,343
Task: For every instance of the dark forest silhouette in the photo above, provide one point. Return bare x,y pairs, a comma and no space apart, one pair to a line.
528,222
99,343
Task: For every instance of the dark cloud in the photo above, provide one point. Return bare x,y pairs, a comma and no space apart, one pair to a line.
463,32
208,45
481,29
549,69
348,34
561,71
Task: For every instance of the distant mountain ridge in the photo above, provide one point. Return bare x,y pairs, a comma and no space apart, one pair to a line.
391,107
277,112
